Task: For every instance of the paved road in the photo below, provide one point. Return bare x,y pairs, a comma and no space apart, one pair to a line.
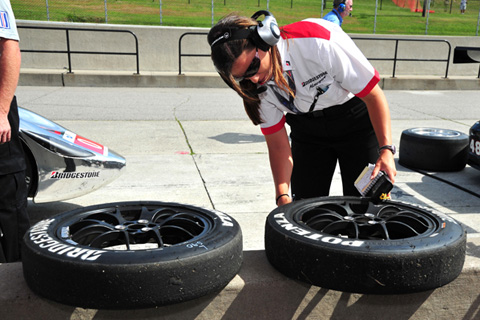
86,103
197,146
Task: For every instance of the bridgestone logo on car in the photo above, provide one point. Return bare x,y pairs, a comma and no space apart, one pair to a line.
38,235
74,175
284,223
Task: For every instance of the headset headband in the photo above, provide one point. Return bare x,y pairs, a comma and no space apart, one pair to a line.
264,35
230,35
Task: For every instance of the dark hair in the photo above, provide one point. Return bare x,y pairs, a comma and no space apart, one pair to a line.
224,54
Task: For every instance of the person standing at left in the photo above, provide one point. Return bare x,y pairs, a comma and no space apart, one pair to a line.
14,220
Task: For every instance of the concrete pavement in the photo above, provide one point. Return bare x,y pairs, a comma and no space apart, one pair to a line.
197,146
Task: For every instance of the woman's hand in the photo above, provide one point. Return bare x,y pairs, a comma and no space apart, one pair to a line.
385,162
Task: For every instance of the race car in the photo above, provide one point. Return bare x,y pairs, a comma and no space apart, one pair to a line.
474,146
61,164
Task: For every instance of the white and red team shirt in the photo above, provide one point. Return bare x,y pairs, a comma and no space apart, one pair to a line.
320,55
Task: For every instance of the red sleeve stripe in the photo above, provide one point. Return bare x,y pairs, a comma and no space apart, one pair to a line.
305,29
373,82
274,128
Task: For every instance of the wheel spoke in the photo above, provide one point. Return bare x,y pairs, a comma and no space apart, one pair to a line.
161,214
87,233
175,234
149,215
400,230
78,226
413,222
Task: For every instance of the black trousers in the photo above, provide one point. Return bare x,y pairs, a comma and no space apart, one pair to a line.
341,133
14,220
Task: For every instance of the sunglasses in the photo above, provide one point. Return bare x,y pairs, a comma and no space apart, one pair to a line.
252,68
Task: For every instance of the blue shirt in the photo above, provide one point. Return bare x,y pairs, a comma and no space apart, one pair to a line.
334,16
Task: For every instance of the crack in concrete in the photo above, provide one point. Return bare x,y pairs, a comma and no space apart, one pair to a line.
192,154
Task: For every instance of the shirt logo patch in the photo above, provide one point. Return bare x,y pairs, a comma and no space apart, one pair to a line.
4,22
320,77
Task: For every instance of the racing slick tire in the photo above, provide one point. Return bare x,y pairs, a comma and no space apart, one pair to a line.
433,149
131,254
351,244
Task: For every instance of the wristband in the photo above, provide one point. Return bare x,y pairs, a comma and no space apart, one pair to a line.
278,198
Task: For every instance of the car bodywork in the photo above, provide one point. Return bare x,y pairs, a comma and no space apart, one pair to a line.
61,164
474,146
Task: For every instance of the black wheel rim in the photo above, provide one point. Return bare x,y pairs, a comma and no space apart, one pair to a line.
135,227
364,220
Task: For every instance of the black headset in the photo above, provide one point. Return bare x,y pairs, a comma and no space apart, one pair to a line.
264,35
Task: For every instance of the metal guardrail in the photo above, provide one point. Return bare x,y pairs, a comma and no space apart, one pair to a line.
180,54
69,52
394,59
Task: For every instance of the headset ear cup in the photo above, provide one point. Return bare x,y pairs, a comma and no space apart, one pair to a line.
266,34
341,7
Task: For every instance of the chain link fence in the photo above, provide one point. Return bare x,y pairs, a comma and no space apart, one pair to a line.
369,16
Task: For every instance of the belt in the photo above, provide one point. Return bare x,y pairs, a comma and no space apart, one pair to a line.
351,105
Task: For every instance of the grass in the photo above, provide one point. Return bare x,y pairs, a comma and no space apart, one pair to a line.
390,18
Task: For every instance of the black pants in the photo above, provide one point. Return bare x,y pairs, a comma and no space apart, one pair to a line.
14,220
341,133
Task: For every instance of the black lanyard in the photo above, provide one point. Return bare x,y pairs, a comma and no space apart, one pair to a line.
320,91
288,103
